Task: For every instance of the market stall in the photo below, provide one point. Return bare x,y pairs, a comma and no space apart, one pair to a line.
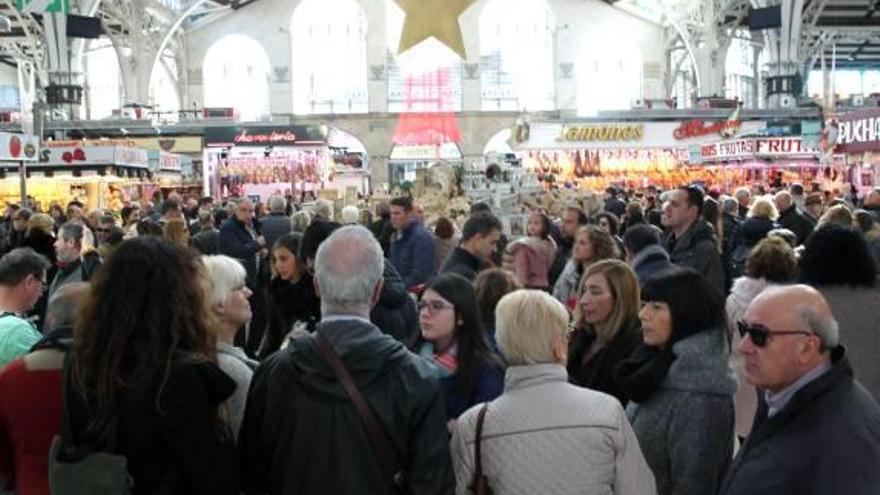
98,176
857,136
628,154
262,161
770,160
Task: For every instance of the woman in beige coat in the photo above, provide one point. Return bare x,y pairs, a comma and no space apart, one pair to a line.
543,434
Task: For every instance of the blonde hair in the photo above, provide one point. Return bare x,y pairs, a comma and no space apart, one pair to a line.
42,222
221,276
175,231
529,323
624,287
763,208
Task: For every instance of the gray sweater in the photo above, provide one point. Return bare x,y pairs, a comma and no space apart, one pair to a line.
686,428
235,363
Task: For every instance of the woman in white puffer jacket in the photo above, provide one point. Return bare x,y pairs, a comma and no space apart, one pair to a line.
771,262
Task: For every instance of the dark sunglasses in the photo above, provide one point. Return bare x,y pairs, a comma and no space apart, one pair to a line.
760,334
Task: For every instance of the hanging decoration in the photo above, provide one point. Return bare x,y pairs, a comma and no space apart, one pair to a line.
433,18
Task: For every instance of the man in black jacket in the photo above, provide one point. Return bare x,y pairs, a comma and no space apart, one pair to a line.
301,432
479,241
239,241
817,430
792,219
691,240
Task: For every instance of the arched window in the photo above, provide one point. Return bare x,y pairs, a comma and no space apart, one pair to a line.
101,66
516,56
164,93
739,68
608,78
235,73
427,78
329,57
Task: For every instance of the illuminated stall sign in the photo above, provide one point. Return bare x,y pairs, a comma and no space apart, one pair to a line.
603,132
696,128
103,155
263,136
758,148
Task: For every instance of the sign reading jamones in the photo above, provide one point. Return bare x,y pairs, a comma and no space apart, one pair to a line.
859,131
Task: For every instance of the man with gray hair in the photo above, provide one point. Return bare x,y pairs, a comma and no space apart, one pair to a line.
72,265
296,393
276,223
323,210
791,218
817,429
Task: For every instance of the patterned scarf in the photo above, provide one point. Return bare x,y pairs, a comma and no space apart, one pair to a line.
445,363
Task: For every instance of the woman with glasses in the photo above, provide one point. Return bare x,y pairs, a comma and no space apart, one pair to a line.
680,385
454,341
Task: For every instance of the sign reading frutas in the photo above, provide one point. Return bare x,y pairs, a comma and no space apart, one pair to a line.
610,132
743,149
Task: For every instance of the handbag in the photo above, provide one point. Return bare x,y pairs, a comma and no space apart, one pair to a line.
83,470
480,484
388,456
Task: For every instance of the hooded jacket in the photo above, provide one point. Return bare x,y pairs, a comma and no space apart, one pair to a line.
302,434
530,259
698,249
825,440
685,428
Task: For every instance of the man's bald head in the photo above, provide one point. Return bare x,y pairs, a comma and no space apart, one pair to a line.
783,200
801,333
804,306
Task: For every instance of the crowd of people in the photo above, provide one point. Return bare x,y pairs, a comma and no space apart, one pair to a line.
680,342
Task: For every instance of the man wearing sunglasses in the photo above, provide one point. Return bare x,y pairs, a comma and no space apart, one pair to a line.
817,429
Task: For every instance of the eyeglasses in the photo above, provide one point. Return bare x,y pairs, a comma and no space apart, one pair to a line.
433,306
101,231
760,334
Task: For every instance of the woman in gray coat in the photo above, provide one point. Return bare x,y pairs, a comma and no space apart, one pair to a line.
680,384
545,435
226,297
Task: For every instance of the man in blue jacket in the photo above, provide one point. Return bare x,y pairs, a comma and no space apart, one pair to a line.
412,249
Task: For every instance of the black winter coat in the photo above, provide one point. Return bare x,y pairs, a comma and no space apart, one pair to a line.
698,249
395,313
796,222
825,440
597,374
461,263
288,304
236,242
301,433
179,447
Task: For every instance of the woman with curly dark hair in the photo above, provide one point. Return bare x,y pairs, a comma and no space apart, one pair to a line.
144,381
838,262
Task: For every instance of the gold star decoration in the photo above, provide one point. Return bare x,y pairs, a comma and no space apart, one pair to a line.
437,18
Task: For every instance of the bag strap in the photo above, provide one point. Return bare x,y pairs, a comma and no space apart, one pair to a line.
387,452
478,441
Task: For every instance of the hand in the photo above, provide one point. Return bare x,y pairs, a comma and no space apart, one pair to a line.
261,241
